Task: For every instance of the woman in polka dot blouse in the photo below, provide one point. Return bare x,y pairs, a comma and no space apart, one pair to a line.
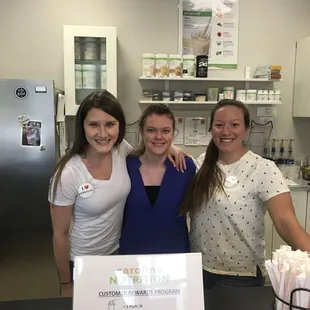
227,200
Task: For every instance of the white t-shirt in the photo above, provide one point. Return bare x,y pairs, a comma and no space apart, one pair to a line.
97,220
229,230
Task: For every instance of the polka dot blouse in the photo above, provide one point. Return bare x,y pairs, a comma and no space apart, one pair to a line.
229,230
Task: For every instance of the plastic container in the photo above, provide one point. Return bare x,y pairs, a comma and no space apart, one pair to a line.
103,77
265,95
213,94
202,63
148,60
271,95
260,95
103,49
90,48
241,95
161,65
175,65
277,95
89,76
78,47
251,95
188,65
229,92
78,77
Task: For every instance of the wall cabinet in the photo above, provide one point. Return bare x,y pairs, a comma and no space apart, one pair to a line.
89,63
301,105
308,216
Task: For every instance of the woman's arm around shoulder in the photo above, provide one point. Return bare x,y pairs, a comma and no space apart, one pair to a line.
191,167
125,148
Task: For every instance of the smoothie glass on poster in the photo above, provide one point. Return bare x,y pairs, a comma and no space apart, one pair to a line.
201,39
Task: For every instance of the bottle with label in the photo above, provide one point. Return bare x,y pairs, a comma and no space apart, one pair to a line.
202,63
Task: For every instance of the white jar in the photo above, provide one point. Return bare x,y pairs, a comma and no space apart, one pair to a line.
188,66
229,92
260,95
78,77
277,95
103,49
89,76
175,65
266,95
103,77
271,95
251,95
148,60
241,95
90,48
161,65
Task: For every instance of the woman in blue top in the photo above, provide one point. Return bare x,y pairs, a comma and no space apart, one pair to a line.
152,224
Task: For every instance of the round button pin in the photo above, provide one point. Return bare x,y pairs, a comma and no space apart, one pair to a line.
86,190
231,181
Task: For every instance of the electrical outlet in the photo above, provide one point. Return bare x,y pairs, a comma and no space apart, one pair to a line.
267,111
266,119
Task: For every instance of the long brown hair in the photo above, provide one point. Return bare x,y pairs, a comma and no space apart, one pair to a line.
208,181
104,101
158,109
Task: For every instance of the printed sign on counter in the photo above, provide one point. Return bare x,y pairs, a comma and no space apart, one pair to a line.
148,282
210,27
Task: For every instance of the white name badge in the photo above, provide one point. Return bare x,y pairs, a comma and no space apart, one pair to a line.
86,190
149,282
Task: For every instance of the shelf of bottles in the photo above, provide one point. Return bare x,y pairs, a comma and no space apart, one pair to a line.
90,66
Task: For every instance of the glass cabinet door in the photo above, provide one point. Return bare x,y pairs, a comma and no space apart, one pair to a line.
89,63
90,66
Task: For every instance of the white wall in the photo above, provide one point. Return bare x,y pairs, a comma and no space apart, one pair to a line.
31,44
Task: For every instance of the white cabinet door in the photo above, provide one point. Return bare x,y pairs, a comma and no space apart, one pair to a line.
308,215
300,204
89,63
268,235
301,104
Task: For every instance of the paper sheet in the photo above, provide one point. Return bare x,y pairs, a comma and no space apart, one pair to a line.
179,130
196,131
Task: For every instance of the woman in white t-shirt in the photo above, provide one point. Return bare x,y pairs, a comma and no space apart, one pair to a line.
89,188
227,200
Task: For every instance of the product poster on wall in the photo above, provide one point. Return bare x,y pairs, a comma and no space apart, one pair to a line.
210,27
149,282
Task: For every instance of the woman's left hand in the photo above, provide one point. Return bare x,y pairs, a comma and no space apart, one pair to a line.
177,157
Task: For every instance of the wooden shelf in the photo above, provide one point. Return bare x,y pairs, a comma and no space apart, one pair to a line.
193,79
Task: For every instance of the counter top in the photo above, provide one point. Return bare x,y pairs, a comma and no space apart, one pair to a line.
254,298
299,185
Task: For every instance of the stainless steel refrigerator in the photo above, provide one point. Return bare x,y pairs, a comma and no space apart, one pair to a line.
28,154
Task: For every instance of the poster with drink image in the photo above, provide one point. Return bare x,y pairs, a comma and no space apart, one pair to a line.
149,282
210,27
